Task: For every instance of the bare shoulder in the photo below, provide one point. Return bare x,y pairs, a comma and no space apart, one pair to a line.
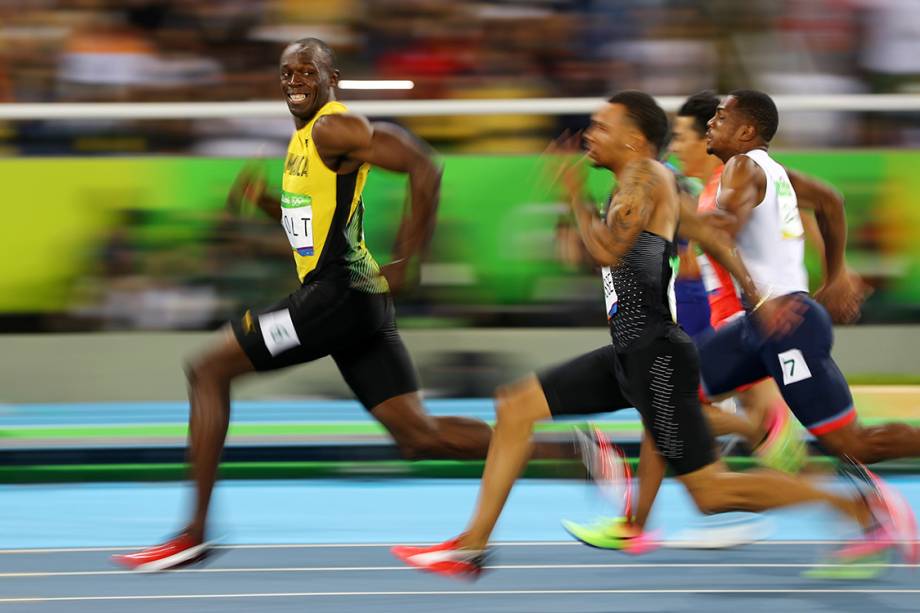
664,177
646,174
741,168
643,188
643,167
342,132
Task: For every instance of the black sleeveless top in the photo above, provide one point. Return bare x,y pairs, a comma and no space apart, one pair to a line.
644,307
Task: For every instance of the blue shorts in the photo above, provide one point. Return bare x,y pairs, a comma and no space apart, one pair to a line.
692,307
800,363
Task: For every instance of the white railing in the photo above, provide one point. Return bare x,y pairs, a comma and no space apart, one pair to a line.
881,103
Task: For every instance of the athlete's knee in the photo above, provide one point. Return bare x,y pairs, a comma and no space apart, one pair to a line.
219,365
515,404
507,414
205,371
197,372
191,376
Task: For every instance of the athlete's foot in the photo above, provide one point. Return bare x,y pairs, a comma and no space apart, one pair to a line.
613,533
851,568
890,528
863,559
174,553
782,448
194,532
892,515
449,559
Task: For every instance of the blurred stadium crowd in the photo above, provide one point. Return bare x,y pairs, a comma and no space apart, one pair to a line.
209,50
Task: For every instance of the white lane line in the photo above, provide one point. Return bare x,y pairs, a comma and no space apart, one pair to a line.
273,546
458,593
312,569
369,545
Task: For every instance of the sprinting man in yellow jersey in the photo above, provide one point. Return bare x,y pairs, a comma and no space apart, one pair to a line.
343,307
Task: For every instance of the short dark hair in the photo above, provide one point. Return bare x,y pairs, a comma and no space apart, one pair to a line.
648,116
760,109
315,45
701,106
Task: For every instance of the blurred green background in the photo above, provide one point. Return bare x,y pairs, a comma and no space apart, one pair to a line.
90,240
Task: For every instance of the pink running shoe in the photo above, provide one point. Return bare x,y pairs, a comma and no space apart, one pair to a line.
176,552
447,559
895,524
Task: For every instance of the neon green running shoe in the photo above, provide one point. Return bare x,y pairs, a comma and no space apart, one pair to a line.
613,533
784,448
856,569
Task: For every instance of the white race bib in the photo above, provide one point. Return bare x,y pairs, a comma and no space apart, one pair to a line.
790,220
794,367
278,331
610,293
297,219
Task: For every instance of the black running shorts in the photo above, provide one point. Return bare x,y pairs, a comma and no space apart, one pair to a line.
356,328
660,379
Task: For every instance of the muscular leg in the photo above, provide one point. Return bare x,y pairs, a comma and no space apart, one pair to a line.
757,402
421,435
751,425
722,423
869,444
209,378
381,373
715,489
519,406
650,475
583,385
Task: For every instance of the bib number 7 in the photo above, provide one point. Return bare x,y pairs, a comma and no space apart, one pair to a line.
794,366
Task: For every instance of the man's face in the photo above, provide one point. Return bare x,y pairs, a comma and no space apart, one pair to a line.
306,78
723,128
606,137
689,146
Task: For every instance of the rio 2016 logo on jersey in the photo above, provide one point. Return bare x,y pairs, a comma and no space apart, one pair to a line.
790,221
